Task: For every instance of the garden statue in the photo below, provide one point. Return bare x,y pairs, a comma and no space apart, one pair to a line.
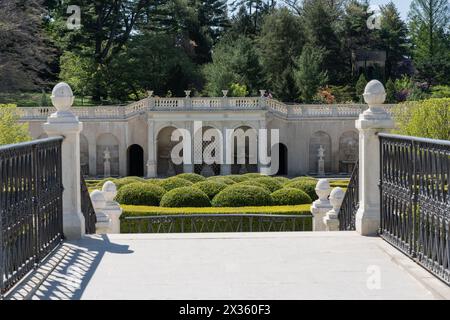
107,163
321,161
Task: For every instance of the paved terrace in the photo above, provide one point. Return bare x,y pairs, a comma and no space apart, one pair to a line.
331,265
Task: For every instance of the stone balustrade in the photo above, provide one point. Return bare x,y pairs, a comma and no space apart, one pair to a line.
155,104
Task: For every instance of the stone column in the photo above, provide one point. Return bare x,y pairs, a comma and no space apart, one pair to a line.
369,124
331,220
112,209
152,152
64,123
92,158
189,167
320,207
225,168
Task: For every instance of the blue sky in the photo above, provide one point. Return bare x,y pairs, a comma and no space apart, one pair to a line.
402,5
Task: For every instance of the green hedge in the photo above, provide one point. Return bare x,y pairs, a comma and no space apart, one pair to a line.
210,187
242,196
192,177
139,193
185,197
290,196
125,181
174,182
223,179
308,186
270,183
238,178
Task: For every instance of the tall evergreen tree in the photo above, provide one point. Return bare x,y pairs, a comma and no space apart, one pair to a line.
280,43
430,36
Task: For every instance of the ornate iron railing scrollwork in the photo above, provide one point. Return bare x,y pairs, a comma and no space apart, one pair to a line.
90,219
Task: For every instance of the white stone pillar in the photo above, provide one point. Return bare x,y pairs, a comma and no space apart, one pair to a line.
320,207
103,224
225,168
152,152
92,158
331,219
369,124
64,123
112,209
189,167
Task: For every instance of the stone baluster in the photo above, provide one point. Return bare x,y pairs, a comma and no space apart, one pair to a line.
320,207
331,220
112,209
103,224
370,123
64,123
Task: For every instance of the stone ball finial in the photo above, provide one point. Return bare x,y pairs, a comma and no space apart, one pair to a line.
98,200
336,197
109,190
374,93
62,97
323,189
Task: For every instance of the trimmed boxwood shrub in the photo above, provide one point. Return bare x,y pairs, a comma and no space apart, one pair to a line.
305,178
192,177
308,186
174,182
185,197
238,178
282,180
139,193
223,179
252,175
271,184
242,196
290,197
210,187
127,180
253,182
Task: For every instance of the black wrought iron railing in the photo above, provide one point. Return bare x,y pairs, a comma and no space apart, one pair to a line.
350,204
415,199
87,208
30,206
194,223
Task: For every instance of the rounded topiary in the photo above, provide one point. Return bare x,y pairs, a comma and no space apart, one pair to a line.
185,197
271,184
252,175
305,178
290,197
174,182
223,179
127,180
210,187
192,177
238,178
139,193
99,184
282,180
308,186
253,182
242,196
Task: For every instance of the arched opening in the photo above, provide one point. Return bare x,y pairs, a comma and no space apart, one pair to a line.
84,155
282,151
165,166
348,151
208,148
135,160
319,140
245,153
107,155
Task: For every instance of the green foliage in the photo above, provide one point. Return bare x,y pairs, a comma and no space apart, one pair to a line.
391,92
308,186
242,196
310,75
185,197
252,175
238,178
192,177
10,130
174,182
122,181
290,196
428,118
360,87
253,182
222,179
439,92
139,193
210,187
281,180
237,90
281,42
269,182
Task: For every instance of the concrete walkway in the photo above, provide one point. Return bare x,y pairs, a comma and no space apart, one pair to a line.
333,265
